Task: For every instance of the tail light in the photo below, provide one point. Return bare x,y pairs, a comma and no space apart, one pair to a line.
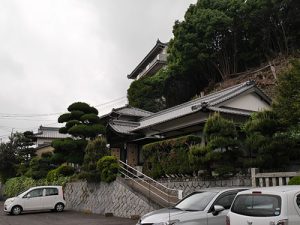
228,221
282,222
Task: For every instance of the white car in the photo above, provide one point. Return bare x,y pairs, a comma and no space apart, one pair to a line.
204,207
36,198
266,206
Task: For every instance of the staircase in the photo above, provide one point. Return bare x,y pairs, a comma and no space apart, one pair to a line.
148,187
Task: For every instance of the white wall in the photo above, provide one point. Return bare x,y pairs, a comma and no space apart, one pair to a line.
250,101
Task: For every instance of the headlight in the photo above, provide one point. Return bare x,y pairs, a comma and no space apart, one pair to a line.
9,201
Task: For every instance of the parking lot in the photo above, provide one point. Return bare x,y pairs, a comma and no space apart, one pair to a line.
64,218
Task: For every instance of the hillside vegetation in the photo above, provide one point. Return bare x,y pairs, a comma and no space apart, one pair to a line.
217,41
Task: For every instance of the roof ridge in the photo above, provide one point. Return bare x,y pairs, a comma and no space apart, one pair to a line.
235,91
139,109
125,122
231,87
194,100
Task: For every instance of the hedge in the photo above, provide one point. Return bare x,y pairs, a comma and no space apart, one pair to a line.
169,156
17,185
294,181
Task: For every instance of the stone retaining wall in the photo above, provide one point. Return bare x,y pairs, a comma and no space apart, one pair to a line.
116,198
120,200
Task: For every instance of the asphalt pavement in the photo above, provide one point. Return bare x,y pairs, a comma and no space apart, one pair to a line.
64,218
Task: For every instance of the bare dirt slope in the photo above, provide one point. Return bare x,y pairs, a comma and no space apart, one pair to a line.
264,76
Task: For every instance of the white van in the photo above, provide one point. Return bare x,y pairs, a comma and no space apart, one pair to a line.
266,206
37,198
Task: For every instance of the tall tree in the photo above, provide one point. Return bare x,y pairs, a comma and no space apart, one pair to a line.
273,136
15,155
83,124
287,101
221,37
95,150
8,161
24,143
147,92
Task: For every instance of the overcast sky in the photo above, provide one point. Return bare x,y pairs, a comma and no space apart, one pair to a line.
56,52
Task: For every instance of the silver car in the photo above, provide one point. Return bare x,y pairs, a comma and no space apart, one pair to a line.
204,207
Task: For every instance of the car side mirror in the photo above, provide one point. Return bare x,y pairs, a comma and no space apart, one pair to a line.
217,209
28,196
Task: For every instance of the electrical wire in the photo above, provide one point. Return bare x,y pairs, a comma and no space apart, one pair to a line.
43,116
17,115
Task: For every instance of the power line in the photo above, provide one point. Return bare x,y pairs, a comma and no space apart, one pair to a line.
28,116
18,115
110,102
28,128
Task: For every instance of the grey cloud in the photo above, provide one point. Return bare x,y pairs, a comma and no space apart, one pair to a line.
55,52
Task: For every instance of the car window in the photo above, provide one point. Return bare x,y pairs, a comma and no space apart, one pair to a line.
34,193
225,200
196,201
51,191
257,205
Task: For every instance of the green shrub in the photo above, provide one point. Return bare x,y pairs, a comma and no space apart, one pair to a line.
61,171
52,175
294,181
89,176
38,168
66,170
108,167
16,185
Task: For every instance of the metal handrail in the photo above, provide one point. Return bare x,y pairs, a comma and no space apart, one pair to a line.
167,192
167,201
161,191
147,177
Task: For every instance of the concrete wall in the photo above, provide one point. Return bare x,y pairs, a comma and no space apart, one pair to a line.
192,184
116,198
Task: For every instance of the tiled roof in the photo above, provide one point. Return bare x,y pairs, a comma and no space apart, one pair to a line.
131,111
123,127
209,101
128,111
50,132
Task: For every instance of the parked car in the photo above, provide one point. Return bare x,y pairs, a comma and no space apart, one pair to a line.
205,207
266,206
36,198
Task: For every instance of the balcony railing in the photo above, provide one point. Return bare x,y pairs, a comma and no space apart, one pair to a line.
160,59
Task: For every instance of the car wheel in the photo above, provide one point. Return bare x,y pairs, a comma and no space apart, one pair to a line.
16,210
59,207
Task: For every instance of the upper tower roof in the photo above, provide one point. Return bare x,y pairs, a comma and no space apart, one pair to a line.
150,57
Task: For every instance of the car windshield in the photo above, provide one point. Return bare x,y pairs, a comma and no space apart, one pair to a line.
21,193
196,201
257,205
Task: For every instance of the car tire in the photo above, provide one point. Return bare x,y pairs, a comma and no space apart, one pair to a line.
16,210
59,207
